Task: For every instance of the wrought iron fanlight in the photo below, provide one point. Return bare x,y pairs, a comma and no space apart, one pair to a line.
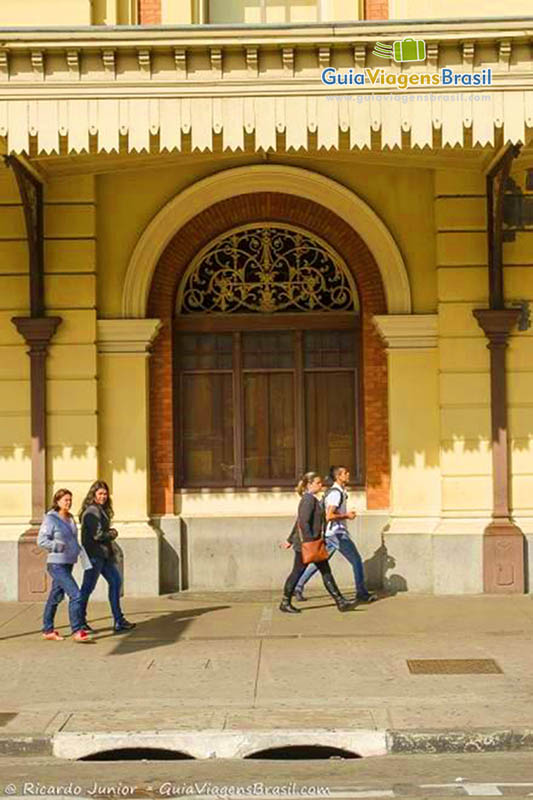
265,268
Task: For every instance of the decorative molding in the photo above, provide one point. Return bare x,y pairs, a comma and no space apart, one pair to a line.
265,178
504,53
359,56
252,61
508,103
37,64
73,64
215,57
287,55
433,56
324,57
4,65
126,336
180,60
144,59
407,331
108,60
469,52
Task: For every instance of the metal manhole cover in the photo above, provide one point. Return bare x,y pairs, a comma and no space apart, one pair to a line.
453,666
6,716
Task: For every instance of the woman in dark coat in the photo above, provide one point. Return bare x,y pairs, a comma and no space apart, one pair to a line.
97,537
309,526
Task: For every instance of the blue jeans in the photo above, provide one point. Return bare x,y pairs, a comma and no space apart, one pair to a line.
63,584
102,566
342,542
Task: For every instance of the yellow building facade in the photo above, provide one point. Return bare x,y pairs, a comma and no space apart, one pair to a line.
164,150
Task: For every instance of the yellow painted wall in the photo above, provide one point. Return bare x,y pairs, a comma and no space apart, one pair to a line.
92,226
41,12
414,432
518,285
173,12
70,292
402,197
122,12
123,431
464,384
15,465
422,9
68,12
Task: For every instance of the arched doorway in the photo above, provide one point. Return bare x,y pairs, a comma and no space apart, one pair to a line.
267,367
187,244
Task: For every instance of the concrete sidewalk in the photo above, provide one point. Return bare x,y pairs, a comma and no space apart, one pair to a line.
231,662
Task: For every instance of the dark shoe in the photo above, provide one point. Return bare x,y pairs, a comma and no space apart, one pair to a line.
288,607
341,602
299,595
366,597
123,626
345,605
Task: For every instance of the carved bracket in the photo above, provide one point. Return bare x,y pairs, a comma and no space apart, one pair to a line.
497,324
31,193
37,331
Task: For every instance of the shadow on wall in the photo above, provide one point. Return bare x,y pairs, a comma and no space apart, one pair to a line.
380,564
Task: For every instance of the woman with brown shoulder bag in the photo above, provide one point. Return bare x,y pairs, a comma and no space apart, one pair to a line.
307,541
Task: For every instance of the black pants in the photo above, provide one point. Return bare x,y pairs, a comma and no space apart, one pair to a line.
298,569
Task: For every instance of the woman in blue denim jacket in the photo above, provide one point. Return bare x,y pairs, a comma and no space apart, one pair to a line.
58,534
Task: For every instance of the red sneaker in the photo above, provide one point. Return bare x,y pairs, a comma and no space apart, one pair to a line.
82,636
54,636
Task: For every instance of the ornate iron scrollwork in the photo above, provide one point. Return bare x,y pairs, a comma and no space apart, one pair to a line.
265,269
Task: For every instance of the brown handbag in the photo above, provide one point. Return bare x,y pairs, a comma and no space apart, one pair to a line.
314,550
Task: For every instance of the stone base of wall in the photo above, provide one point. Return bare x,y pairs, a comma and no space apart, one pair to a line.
227,553
434,564
243,552
138,563
9,570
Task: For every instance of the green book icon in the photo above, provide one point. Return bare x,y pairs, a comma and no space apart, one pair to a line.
409,50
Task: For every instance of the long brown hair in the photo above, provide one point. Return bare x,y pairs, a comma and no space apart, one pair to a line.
57,497
90,501
305,480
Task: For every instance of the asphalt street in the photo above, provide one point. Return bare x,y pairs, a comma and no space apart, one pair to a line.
411,776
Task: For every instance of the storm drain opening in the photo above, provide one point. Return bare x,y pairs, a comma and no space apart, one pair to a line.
138,754
302,752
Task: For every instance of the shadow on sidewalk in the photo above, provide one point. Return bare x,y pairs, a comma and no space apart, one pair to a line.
156,632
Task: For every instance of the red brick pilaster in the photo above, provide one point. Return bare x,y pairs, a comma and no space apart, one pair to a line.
376,9
198,232
150,12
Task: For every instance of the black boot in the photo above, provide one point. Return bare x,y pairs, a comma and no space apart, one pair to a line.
299,595
341,602
287,606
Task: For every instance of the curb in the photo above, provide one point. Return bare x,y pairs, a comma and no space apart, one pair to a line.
26,746
201,744
217,743
471,741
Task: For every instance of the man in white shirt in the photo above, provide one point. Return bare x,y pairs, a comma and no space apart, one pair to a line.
337,535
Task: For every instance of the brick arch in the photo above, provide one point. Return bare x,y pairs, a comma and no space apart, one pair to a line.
197,233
